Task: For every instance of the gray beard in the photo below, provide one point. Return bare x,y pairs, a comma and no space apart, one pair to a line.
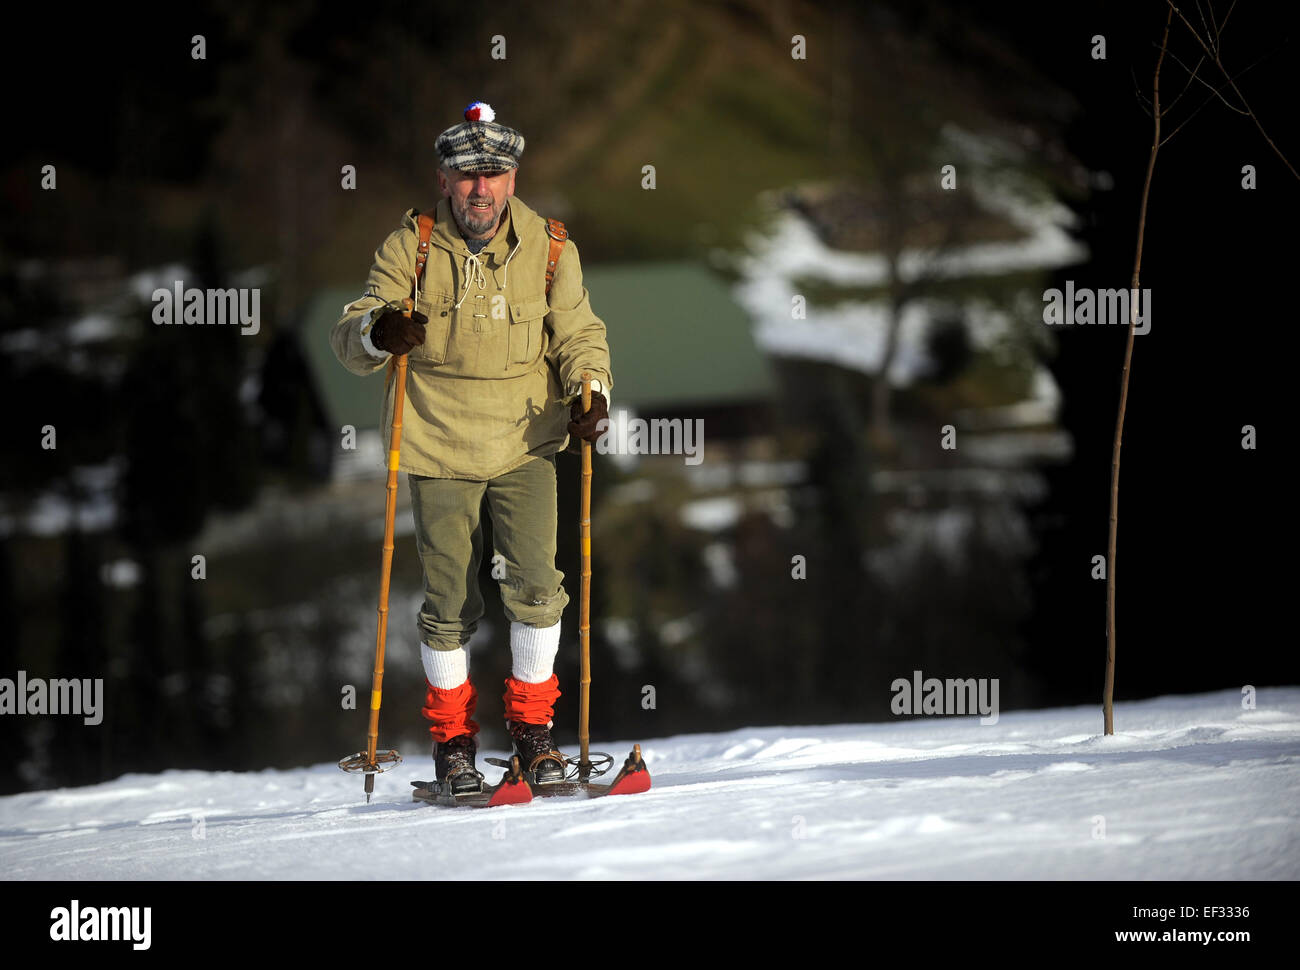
466,222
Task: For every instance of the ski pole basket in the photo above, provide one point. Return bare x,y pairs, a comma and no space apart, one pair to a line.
599,762
360,762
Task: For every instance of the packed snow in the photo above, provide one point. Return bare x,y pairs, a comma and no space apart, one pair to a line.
1190,787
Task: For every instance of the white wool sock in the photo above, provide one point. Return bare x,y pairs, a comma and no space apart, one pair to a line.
444,669
532,651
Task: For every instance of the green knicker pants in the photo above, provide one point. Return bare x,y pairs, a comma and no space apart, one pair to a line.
522,503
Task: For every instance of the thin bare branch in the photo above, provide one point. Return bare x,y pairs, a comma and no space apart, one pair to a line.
1257,61
1224,24
1187,119
1190,78
1217,91
1202,16
1262,132
1143,100
1205,47
1235,90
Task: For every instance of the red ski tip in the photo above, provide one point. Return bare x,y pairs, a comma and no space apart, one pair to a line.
633,778
511,793
633,783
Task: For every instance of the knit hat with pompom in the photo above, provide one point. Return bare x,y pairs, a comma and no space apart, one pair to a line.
479,144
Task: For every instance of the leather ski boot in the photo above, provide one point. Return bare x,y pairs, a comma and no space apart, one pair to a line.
542,764
454,763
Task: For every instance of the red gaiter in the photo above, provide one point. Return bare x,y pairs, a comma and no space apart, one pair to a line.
531,703
449,711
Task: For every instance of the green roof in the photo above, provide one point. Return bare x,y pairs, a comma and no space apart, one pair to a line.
676,338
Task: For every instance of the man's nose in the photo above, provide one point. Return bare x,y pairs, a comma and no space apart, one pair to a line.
482,186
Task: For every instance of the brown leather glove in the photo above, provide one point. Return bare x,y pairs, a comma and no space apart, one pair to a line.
584,425
397,333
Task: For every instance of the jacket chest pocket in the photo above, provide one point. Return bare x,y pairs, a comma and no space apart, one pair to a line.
526,317
438,307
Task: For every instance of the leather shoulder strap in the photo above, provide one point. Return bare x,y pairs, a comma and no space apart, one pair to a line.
421,257
559,236
422,251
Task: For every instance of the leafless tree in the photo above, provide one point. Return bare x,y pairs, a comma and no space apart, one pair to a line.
1209,39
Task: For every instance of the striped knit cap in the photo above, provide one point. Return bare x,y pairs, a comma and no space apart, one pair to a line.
479,144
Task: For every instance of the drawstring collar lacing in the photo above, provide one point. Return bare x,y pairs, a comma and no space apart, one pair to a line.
505,270
473,273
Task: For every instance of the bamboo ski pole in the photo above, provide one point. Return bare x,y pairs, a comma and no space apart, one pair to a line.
584,614
386,567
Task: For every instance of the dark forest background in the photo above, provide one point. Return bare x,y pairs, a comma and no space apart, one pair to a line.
229,166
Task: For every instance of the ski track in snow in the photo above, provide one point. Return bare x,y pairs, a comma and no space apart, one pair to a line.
1190,788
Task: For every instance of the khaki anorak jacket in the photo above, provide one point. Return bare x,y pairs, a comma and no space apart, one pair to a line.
490,387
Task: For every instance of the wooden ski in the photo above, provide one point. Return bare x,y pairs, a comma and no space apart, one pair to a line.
632,779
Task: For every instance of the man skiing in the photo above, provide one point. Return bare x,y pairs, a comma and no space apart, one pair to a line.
501,331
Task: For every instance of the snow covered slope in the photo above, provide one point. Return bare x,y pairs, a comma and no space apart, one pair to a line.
1193,788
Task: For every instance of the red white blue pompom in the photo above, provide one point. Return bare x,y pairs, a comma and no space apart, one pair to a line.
480,111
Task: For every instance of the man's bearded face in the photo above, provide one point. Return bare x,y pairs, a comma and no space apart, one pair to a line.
477,198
